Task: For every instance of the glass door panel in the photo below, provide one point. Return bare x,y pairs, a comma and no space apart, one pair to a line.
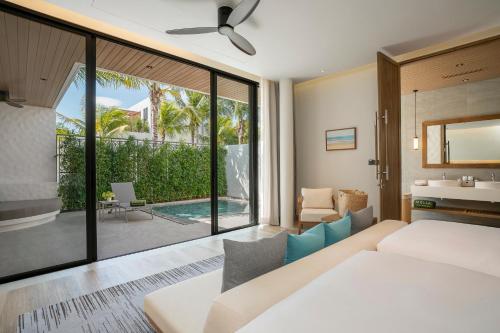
152,150
42,155
233,154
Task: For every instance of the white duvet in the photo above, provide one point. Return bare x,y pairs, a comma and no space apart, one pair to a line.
384,292
470,246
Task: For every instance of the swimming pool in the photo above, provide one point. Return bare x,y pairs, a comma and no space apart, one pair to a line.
194,211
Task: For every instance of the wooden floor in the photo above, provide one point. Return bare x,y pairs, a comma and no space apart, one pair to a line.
25,295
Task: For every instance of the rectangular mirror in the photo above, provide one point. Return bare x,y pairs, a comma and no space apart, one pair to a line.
468,142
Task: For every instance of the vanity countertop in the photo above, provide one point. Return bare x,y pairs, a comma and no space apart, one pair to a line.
457,192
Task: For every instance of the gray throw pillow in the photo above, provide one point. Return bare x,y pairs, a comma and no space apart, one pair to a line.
361,219
246,260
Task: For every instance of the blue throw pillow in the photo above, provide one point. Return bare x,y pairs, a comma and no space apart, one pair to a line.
299,246
337,230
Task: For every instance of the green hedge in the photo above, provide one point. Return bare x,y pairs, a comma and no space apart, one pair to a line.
160,173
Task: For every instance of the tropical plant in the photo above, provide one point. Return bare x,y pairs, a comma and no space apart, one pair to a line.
238,113
160,173
109,121
226,132
106,78
171,120
136,124
241,114
195,107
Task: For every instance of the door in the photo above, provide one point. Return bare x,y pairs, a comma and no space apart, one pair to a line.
45,215
235,140
389,139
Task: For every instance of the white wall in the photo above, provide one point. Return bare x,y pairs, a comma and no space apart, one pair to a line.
237,163
27,153
349,100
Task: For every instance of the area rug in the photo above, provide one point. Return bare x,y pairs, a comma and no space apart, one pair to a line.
114,309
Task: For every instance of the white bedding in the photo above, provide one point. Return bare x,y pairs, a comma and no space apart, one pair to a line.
470,246
384,292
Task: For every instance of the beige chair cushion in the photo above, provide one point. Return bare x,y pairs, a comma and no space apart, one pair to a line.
315,214
317,198
237,307
183,307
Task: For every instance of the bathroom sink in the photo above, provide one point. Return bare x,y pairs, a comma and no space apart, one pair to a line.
488,185
443,183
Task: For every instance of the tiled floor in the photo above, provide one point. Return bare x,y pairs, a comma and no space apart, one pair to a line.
25,295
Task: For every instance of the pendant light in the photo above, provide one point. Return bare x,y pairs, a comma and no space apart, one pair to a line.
415,138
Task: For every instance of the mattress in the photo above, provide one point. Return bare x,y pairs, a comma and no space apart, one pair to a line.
385,292
470,246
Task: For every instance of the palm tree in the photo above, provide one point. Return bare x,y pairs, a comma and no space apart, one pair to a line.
226,132
114,79
171,120
109,122
241,113
195,108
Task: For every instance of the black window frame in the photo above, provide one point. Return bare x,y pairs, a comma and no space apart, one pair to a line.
90,140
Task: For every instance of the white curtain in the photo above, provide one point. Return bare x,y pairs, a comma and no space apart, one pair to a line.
268,154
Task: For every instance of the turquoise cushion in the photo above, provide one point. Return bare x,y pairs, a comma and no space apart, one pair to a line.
299,246
337,230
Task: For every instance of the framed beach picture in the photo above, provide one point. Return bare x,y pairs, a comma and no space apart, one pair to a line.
341,139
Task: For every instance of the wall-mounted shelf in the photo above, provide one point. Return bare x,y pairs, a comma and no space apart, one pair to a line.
462,212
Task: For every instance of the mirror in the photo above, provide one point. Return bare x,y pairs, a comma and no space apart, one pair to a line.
469,142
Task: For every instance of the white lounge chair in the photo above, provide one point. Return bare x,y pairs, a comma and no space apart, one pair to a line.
125,194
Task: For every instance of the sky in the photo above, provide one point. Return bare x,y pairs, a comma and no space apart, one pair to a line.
71,103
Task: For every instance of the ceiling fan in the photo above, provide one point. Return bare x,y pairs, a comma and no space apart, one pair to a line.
4,97
228,19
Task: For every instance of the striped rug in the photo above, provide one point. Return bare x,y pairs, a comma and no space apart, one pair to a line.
114,309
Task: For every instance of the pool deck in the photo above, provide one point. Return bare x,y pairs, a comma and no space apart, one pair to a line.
64,240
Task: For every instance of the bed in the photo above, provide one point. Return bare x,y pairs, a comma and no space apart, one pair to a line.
387,292
465,245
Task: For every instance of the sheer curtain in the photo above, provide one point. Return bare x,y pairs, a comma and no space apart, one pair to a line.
268,154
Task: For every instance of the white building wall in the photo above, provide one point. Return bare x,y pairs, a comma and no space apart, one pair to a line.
27,153
237,171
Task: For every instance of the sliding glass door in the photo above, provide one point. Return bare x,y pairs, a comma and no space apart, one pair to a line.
109,148
236,180
152,150
43,184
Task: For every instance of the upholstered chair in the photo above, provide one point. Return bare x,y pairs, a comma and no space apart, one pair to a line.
313,205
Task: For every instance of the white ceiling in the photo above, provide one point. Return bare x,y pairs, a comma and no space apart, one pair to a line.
301,38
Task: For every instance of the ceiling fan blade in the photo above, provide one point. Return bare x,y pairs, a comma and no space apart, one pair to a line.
242,12
192,31
240,42
14,104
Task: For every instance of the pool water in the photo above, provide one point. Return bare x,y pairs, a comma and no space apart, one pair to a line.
201,210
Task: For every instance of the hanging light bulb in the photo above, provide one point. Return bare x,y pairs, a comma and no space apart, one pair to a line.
415,138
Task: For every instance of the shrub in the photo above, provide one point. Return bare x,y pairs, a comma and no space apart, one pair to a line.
160,173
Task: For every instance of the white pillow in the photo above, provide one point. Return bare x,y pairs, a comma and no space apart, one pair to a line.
317,198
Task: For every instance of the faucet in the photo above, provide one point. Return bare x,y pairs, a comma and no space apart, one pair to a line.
444,176
493,176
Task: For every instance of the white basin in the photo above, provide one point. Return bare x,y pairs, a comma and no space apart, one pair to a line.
489,185
443,183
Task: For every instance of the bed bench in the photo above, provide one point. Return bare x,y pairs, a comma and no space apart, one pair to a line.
196,305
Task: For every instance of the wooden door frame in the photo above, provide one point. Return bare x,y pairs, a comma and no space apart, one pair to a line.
392,164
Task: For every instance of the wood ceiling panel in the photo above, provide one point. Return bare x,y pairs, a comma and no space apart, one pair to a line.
36,61
123,59
471,64
32,52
